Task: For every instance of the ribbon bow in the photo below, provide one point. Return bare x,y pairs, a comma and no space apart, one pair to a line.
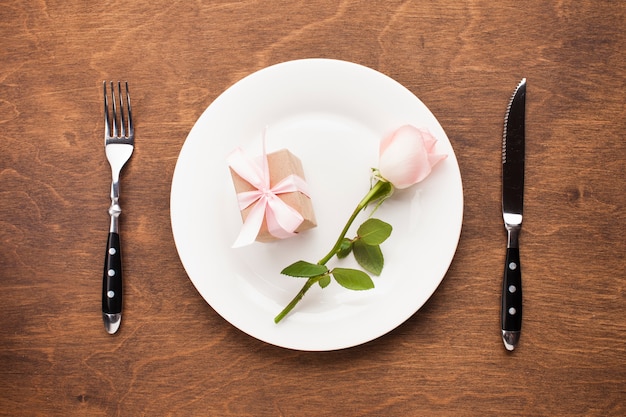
282,219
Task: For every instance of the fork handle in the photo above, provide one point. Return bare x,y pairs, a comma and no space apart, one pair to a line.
112,284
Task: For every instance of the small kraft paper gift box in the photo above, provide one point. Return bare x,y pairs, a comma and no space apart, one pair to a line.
283,167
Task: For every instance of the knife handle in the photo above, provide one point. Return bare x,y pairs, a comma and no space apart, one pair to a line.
112,283
512,297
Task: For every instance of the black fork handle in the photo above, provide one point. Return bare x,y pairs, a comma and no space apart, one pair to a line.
112,284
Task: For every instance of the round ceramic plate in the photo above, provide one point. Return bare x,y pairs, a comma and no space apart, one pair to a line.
332,115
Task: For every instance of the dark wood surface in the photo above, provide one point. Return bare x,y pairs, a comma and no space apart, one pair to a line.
174,355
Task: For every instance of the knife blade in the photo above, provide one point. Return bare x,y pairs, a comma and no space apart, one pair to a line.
513,153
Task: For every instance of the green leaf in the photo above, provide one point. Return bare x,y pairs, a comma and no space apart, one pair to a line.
352,279
374,231
345,248
370,257
303,269
324,281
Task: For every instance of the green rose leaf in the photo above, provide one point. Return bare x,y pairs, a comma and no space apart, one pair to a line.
345,248
324,281
370,257
374,231
352,279
303,269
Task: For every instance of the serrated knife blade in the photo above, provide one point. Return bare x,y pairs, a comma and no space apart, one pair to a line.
513,153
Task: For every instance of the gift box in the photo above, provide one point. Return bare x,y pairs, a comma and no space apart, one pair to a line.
281,164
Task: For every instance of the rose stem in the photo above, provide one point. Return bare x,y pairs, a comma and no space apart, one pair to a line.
312,280
364,202
309,283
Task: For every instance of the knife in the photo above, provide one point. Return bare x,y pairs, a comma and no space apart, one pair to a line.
513,151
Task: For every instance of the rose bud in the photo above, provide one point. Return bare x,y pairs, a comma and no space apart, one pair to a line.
407,156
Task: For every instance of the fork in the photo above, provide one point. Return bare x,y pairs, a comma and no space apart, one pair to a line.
119,139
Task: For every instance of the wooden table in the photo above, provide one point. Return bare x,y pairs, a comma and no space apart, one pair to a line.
174,355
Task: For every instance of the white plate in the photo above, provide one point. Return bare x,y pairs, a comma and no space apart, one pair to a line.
332,115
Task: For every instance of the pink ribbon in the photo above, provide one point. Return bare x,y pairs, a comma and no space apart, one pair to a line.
282,219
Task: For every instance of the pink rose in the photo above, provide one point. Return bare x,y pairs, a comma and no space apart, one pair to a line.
407,156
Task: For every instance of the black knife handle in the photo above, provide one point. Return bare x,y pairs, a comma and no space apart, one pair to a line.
112,276
512,292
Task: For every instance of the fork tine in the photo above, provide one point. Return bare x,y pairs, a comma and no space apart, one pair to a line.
114,118
118,119
122,119
131,130
107,122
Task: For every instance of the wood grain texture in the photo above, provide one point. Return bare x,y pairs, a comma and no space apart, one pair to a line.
175,356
